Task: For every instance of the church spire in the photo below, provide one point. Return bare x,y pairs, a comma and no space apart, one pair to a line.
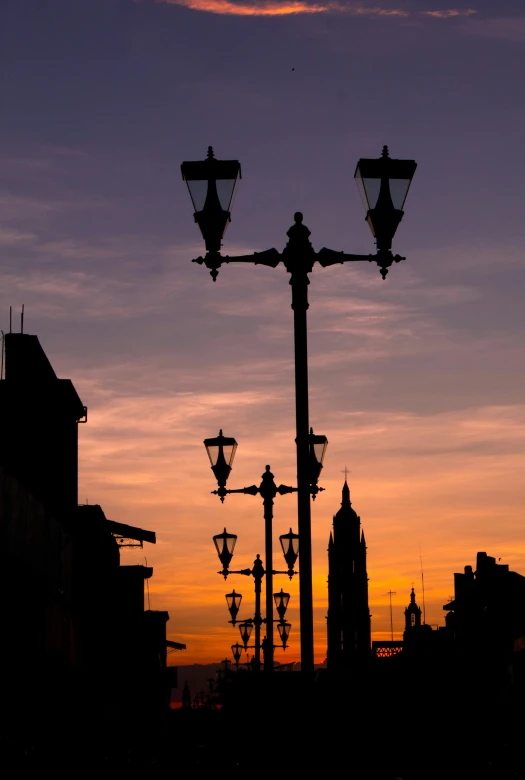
346,495
346,516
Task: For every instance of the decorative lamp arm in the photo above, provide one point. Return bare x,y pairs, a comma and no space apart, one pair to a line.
282,489
269,257
289,572
326,257
225,572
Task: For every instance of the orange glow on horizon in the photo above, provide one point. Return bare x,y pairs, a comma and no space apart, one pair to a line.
449,482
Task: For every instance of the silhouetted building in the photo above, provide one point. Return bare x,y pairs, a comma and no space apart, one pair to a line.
348,620
39,414
412,615
419,639
487,615
77,642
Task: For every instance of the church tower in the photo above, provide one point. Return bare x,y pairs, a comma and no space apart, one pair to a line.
412,615
348,620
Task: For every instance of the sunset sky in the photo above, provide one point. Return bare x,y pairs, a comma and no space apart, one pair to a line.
417,381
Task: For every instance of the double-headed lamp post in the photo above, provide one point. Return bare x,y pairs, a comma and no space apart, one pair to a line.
383,184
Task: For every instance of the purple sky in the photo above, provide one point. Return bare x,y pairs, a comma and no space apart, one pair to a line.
418,381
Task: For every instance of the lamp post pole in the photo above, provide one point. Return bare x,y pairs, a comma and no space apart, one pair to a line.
299,258
258,573
383,184
268,490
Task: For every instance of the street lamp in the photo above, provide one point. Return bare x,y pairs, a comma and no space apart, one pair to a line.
221,452
237,651
224,544
212,184
290,548
246,628
317,449
281,603
233,601
284,633
268,490
383,184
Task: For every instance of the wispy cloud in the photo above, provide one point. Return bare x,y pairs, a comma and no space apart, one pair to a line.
449,13
227,7
295,7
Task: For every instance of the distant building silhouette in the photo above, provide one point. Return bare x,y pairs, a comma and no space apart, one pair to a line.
412,615
419,639
348,619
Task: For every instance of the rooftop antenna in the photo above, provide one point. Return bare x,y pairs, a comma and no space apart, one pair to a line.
391,593
422,585
147,585
22,320
2,363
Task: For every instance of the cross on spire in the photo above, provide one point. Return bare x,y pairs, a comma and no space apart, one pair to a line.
346,472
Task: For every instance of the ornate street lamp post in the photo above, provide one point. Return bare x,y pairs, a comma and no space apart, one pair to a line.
225,545
221,451
384,184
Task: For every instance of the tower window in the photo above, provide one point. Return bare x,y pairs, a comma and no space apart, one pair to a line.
412,619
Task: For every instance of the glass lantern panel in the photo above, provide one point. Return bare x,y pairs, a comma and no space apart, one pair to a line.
285,543
281,599
233,600
231,540
371,188
289,541
198,189
320,449
245,631
213,452
284,631
225,542
399,191
229,451
227,444
226,189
